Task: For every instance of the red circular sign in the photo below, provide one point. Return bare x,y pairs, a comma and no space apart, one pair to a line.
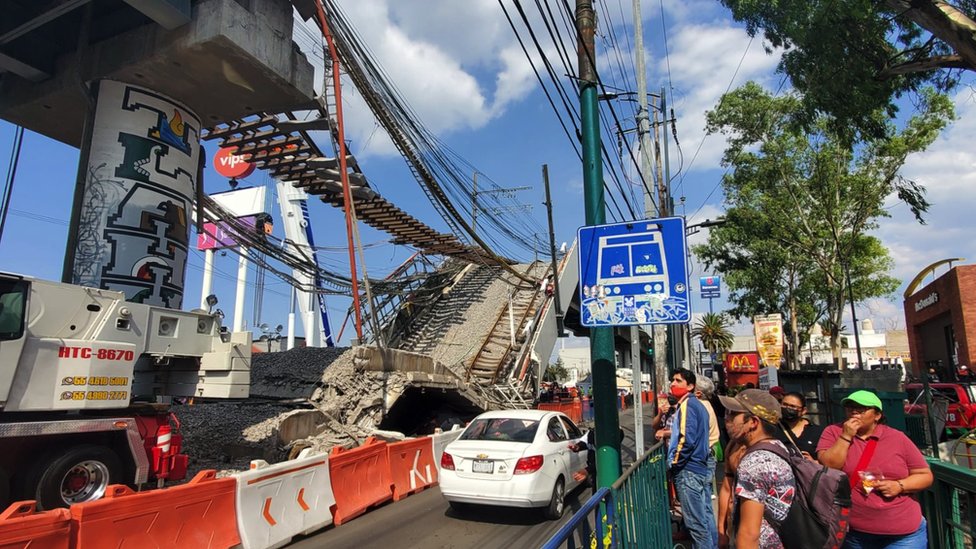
230,164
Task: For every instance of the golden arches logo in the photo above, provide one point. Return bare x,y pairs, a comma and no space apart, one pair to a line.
740,362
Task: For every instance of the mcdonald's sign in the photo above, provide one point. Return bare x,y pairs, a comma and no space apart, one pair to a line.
742,362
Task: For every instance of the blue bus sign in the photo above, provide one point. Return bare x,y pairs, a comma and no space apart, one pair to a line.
711,286
634,273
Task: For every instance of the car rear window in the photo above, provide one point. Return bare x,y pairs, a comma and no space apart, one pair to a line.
508,429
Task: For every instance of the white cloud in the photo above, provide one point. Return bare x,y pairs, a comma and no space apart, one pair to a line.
948,172
703,60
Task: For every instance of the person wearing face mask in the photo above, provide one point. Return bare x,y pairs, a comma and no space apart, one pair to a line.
688,461
797,429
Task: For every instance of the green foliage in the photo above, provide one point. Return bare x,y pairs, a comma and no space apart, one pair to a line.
712,329
556,372
852,59
800,205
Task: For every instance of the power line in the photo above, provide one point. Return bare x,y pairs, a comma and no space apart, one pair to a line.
705,136
732,162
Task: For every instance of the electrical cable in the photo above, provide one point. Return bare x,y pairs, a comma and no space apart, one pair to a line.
8,186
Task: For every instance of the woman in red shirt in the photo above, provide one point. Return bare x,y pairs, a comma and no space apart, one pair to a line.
885,469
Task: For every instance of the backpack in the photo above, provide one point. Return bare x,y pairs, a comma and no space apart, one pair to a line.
818,517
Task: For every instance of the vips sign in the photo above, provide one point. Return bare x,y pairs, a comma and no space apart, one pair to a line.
769,338
230,164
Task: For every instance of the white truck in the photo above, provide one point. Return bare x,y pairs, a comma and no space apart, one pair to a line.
86,382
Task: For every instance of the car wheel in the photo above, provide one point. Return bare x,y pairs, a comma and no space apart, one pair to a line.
557,503
81,473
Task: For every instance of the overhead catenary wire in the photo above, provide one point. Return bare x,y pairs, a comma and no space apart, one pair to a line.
8,185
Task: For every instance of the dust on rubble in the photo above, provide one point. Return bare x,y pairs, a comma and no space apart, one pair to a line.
346,405
226,436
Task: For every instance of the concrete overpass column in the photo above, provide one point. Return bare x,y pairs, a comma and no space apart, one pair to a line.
130,229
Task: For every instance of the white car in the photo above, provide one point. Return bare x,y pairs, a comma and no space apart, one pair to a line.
515,458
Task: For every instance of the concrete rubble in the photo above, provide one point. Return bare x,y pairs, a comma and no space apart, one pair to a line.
323,397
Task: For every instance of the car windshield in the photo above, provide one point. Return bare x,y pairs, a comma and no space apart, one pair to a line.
501,428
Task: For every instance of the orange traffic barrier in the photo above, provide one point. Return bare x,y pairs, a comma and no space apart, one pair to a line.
21,526
575,412
200,513
412,466
360,479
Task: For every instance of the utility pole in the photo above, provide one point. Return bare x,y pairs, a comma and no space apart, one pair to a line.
601,339
676,337
662,366
560,316
650,211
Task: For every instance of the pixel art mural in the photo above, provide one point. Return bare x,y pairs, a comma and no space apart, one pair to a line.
142,176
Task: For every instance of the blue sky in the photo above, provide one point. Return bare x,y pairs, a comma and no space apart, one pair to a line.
464,75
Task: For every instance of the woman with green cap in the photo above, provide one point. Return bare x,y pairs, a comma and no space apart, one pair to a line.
885,470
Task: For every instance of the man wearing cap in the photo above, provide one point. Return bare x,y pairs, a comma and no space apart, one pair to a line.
777,392
885,469
688,457
764,484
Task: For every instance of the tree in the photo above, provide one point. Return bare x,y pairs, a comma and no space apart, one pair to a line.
556,372
853,58
802,202
712,329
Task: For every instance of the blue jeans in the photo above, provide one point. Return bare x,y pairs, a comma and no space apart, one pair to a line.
695,494
919,539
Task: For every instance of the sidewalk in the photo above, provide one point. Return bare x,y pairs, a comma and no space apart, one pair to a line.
628,455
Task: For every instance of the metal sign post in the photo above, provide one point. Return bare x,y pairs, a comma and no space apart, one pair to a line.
711,288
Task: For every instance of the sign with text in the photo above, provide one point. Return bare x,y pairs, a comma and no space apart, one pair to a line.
634,273
769,338
742,362
711,286
768,377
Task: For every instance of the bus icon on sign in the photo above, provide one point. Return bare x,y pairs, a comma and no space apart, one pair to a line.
633,273
633,263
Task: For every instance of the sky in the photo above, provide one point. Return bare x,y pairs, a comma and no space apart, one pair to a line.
466,78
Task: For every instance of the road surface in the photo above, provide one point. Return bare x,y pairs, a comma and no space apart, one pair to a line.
425,519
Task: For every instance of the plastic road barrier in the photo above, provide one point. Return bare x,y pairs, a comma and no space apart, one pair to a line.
442,440
199,514
21,526
277,502
360,479
412,466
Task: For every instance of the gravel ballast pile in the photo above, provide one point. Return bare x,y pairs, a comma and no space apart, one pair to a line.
291,374
227,435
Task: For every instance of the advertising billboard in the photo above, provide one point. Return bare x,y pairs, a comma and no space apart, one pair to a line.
769,338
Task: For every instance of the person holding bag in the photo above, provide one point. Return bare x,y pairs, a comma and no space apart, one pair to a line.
885,470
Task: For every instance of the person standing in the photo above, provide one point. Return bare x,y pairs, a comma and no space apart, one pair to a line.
885,469
797,428
704,390
688,455
764,482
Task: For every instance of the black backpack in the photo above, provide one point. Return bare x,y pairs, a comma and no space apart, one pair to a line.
818,517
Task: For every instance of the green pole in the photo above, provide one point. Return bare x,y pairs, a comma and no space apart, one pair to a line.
601,339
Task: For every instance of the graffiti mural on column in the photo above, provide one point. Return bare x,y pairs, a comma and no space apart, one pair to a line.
142,171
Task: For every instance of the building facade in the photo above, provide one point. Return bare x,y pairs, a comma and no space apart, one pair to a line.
941,322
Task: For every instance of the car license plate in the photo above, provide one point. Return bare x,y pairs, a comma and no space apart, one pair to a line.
483,466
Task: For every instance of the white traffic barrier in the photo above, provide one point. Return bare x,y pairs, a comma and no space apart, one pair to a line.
277,502
441,441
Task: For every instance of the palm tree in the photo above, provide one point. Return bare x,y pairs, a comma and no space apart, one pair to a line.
712,329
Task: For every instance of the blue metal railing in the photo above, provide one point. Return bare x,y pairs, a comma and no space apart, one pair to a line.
600,505
633,513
